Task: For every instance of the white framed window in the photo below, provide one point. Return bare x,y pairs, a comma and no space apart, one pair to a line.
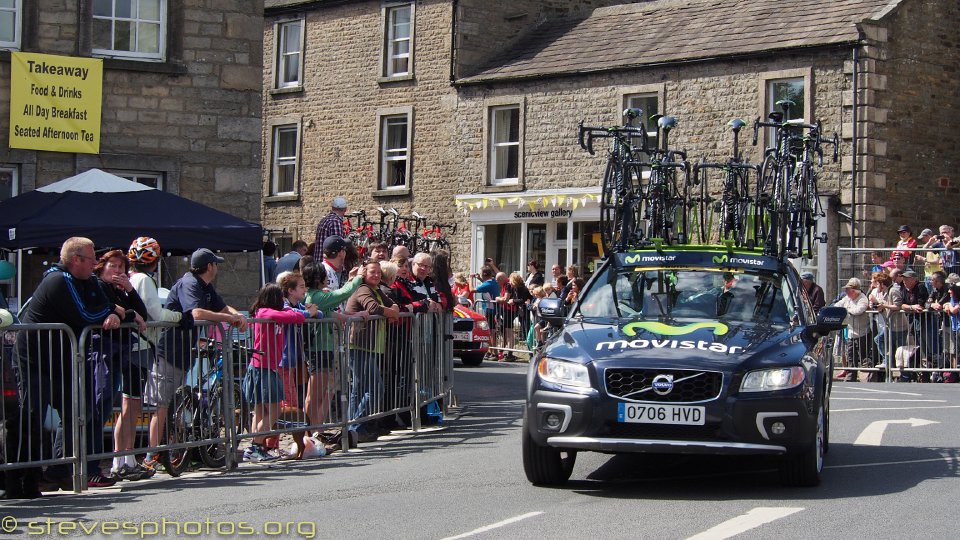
395,142
289,55
11,21
398,40
285,159
504,150
133,29
649,103
792,84
9,182
147,178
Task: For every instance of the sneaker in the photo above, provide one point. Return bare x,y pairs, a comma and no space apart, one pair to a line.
98,481
256,453
132,474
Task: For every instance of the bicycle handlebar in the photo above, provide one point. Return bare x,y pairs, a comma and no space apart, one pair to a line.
593,132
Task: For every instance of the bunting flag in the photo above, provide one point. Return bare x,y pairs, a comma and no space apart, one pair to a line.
552,201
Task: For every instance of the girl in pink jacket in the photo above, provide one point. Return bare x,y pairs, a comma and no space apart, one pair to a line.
262,386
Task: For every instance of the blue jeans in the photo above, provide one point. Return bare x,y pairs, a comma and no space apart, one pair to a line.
366,386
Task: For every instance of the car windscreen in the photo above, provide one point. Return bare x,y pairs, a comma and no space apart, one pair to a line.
694,293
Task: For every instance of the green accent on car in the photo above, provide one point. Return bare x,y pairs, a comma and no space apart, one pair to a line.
632,259
629,329
720,260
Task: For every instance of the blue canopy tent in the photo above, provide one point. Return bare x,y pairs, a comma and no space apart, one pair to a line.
112,211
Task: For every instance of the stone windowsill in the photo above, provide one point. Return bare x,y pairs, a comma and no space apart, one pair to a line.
392,192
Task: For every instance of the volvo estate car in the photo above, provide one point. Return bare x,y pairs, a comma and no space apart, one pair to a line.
694,351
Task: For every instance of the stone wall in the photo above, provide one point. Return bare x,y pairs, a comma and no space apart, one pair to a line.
338,108
910,120
195,117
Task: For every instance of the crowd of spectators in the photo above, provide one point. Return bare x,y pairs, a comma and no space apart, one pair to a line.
903,309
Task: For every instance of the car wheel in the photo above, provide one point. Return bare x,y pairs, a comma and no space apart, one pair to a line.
471,359
803,470
544,465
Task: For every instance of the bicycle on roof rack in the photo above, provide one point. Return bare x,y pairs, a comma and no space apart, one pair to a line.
621,178
787,188
664,197
738,219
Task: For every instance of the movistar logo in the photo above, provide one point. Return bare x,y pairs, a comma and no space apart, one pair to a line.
631,259
720,260
629,329
648,258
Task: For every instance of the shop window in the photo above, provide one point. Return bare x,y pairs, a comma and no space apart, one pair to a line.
134,29
289,54
395,143
504,150
11,17
502,244
285,159
9,182
398,40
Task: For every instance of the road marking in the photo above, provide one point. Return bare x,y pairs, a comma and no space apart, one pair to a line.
886,463
887,399
494,526
873,434
878,391
893,408
751,520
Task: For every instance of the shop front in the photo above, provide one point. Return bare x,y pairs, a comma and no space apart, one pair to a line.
548,226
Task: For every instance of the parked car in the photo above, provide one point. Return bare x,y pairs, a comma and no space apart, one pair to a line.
684,352
471,335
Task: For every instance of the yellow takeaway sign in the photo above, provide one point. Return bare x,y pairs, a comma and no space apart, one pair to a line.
55,102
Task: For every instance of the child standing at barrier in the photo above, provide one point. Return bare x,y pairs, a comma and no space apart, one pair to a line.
262,386
294,290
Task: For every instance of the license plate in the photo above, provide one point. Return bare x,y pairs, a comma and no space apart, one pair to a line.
462,336
683,415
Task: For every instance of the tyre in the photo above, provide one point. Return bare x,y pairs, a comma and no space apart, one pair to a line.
212,424
611,204
471,359
546,466
803,469
179,430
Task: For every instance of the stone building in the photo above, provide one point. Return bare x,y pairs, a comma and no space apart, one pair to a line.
181,106
469,109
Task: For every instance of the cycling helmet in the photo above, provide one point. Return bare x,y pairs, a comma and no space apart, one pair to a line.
144,250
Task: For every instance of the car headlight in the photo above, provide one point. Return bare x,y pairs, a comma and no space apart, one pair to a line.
483,325
766,380
563,372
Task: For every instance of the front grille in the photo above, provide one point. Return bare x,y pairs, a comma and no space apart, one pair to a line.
467,345
688,385
462,325
663,432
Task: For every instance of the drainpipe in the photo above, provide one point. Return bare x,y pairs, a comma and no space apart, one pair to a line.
856,130
453,40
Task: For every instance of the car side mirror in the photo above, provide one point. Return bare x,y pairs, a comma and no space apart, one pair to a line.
552,310
829,319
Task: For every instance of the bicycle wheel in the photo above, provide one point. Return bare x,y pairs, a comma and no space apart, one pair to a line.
611,205
213,424
179,430
767,206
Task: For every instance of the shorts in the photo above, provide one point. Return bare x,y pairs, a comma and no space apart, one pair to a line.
492,319
162,383
320,361
262,385
288,378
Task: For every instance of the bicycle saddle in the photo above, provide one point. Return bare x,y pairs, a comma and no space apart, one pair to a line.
736,124
776,116
667,123
632,113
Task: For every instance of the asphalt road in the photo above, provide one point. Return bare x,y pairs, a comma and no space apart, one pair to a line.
892,472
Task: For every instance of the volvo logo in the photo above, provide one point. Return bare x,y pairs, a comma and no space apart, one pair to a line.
662,384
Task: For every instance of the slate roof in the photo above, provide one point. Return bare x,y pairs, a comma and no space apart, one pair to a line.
667,31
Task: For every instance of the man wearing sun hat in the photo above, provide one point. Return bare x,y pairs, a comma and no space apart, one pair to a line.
330,225
857,347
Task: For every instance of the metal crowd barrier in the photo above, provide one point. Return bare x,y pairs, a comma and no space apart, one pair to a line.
917,347
346,375
509,325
